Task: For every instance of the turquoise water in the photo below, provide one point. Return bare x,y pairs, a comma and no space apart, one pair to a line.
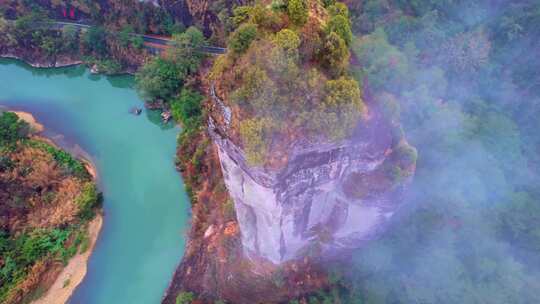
145,203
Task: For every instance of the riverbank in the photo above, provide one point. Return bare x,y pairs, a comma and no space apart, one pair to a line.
63,62
36,128
42,63
75,271
58,281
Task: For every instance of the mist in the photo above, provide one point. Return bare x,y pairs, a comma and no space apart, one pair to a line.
466,76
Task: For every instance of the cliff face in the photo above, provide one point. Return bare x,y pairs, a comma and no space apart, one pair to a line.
308,204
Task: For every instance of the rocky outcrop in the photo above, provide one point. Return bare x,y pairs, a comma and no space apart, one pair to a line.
305,206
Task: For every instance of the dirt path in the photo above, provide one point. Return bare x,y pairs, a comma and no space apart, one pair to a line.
73,274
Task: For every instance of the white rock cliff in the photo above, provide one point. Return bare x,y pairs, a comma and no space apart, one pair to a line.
303,207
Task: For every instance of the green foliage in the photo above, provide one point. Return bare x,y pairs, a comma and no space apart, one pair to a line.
185,298
339,9
187,107
50,45
19,253
241,38
137,42
341,26
341,109
383,65
95,41
256,135
279,5
288,40
63,158
298,11
335,55
328,3
159,78
106,66
88,200
125,35
186,44
70,37
163,78
11,129
241,15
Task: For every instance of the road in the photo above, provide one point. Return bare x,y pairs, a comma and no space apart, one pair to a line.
151,41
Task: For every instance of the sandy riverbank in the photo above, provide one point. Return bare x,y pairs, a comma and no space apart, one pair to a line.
29,119
75,271
73,274
36,127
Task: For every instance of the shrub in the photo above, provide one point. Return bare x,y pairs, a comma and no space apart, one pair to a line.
406,155
298,11
87,200
11,129
241,39
335,54
63,158
255,135
95,41
241,14
187,106
341,26
159,78
338,9
288,40
185,298
341,109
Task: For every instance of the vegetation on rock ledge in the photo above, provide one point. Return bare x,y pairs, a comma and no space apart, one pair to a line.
289,62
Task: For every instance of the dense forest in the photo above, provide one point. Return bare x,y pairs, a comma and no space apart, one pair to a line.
466,78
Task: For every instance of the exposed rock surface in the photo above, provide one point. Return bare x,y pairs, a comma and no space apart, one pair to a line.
305,205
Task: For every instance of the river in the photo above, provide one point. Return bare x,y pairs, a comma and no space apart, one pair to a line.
146,208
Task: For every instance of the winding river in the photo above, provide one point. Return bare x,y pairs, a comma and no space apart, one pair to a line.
146,208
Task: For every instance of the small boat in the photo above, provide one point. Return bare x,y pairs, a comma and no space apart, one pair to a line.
135,111
166,116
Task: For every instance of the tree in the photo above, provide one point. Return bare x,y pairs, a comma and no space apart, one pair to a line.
6,35
335,54
288,40
50,45
185,52
185,298
241,38
125,35
95,41
340,110
11,129
342,26
187,106
159,78
382,65
298,11
137,42
255,135
70,36
338,9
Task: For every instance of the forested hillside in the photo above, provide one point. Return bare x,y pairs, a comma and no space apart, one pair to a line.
466,77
